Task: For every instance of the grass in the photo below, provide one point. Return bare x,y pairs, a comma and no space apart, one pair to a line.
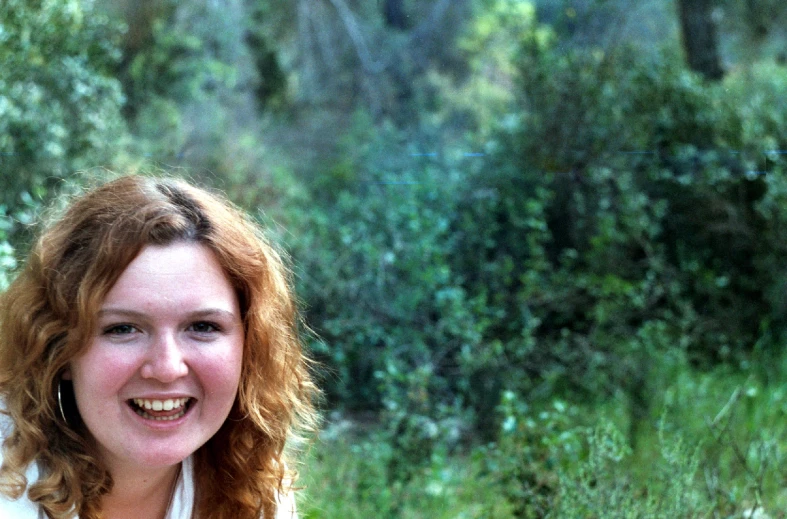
348,477
713,448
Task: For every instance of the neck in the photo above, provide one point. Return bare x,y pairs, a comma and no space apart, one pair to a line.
140,495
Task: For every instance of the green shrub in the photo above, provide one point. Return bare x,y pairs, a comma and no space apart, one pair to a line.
616,222
188,85
59,104
346,477
602,488
624,219
7,258
536,443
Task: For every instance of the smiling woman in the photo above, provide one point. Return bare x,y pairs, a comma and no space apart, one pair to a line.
150,365
158,380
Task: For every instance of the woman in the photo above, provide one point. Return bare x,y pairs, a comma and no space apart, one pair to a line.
150,365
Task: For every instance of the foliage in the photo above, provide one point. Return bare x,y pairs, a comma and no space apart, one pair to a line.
388,310
7,259
188,84
59,104
751,29
534,446
596,239
614,224
346,477
598,488
715,451
271,89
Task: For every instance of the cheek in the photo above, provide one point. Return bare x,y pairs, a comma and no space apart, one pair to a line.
224,375
236,377
234,360
218,369
99,372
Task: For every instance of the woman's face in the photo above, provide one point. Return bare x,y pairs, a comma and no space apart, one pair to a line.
162,370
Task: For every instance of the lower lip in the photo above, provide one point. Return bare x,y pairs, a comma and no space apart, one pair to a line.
162,424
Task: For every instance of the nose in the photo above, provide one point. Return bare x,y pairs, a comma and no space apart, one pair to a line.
164,360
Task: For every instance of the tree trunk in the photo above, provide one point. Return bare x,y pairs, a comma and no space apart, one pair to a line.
757,17
700,41
394,14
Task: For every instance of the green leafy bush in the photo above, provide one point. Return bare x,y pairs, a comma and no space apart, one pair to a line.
346,477
7,259
535,444
189,84
59,104
623,219
601,487
617,221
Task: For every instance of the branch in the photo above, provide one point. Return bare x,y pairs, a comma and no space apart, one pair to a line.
438,11
368,63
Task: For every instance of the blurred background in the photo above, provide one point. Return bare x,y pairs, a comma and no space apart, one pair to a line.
540,245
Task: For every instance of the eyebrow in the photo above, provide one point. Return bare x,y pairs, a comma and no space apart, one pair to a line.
198,314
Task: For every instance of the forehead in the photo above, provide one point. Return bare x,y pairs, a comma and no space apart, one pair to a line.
182,273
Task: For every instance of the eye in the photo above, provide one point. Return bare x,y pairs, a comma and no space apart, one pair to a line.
204,327
120,329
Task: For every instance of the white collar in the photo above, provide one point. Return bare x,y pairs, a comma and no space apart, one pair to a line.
181,507
182,504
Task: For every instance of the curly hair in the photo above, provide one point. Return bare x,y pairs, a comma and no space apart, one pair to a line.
48,314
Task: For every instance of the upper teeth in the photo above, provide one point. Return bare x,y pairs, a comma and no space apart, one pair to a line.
161,405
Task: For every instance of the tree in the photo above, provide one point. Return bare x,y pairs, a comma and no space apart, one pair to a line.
699,36
395,15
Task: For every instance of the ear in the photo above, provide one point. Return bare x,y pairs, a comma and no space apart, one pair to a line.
66,373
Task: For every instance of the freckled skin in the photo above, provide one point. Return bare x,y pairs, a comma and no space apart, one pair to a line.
169,327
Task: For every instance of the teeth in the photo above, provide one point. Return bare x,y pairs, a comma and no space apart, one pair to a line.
145,415
160,405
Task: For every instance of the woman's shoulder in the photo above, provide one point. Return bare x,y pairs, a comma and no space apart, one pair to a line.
286,502
6,426
21,508
5,423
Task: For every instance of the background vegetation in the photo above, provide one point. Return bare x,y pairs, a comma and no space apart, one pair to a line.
541,243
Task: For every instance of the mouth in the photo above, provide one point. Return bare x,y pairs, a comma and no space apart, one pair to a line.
161,410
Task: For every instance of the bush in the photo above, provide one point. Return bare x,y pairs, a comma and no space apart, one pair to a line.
59,104
616,222
599,488
189,85
346,477
624,219
7,259
536,444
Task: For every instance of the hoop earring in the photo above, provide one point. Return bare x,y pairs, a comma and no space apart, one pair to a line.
60,402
